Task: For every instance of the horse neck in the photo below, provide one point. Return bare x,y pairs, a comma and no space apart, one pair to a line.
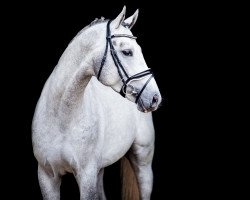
72,74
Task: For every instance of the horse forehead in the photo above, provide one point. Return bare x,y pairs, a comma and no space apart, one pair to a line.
124,40
122,30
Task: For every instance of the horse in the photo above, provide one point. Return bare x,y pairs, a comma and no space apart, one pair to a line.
95,109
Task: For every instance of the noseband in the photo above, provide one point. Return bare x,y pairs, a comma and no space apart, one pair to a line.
121,71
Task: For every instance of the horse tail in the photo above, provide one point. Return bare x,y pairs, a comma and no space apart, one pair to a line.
130,189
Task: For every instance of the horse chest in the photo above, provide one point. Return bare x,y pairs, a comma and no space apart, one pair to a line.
118,138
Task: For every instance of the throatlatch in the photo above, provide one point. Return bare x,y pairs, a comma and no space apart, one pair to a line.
121,71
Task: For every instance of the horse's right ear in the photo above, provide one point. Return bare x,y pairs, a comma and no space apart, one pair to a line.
119,19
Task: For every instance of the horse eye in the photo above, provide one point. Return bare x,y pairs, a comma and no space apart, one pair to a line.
127,52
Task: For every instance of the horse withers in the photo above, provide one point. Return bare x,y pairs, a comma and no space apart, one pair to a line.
82,125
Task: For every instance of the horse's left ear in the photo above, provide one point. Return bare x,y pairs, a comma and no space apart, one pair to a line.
130,22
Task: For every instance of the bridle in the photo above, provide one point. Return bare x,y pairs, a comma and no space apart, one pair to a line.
122,72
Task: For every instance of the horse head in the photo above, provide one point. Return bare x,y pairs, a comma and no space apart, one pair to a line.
122,65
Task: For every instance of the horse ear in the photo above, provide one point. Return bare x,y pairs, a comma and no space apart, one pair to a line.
119,19
130,22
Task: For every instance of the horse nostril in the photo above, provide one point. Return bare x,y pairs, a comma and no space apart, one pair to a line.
154,101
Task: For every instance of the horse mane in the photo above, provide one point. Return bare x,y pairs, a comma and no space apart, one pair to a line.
94,22
97,21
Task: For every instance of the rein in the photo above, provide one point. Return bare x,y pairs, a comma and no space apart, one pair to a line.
121,71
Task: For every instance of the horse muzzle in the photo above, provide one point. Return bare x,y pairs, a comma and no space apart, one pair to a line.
149,105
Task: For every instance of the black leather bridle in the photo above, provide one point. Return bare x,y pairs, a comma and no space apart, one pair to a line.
122,72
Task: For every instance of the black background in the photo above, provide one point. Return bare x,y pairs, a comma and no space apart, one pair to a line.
181,42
